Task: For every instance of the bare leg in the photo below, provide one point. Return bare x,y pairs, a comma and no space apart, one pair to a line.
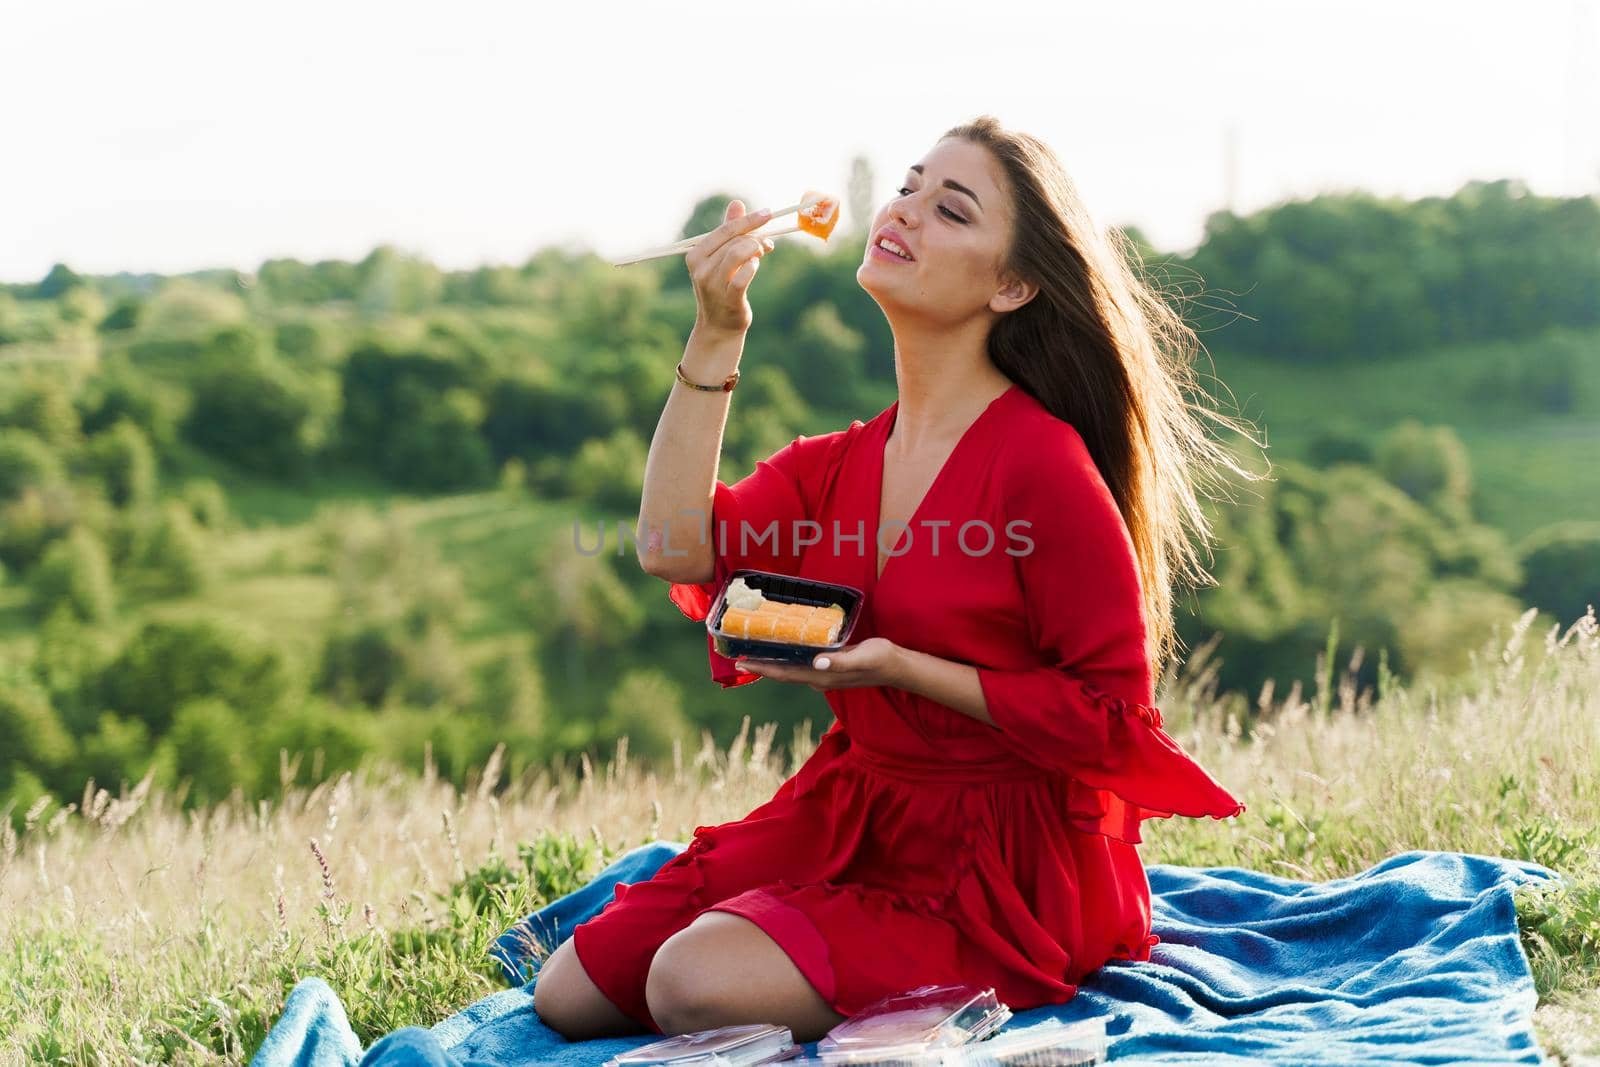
722,969
567,1000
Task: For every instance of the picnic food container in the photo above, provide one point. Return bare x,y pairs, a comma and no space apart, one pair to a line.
1056,1044
952,1026
725,1046
783,641
915,1022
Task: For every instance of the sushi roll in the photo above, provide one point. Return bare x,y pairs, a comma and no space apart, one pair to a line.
810,626
750,613
820,215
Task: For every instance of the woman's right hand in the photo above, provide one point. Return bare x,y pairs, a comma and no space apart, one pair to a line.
722,265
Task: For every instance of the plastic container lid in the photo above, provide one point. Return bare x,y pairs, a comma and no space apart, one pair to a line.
1055,1043
1052,1044
725,1046
927,1017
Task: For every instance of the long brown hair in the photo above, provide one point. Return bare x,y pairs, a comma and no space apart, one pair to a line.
1101,348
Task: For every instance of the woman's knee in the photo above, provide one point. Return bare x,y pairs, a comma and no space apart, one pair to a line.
677,988
722,969
566,999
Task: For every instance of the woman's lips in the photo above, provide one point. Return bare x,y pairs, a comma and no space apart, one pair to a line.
883,253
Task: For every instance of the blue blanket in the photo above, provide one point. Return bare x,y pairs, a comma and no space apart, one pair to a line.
1414,961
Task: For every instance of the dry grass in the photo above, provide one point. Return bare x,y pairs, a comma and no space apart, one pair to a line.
136,931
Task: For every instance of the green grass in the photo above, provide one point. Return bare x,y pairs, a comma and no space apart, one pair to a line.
1532,478
130,924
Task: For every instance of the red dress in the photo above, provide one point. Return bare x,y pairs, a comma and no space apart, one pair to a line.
918,844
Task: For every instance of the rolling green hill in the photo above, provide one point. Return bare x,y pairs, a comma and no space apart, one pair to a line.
1530,468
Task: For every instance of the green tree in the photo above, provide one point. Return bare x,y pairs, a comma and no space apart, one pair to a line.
385,573
174,554
125,314
27,461
166,664
576,605
646,707
609,473
825,358
1345,544
11,325
455,743
529,418
212,749
1561,568
120,752
1352,275
288,281
1545,375
35,740
315,740
769,416
440,448
183,307
379,663
61,279
1430,464
1340,442
124,462
43,406
707,213
68,657
436,669
39,516
82,305
207,502
363,663
391,281
414,415
1450,623
75,572
306,342
253,410
119,393
510,692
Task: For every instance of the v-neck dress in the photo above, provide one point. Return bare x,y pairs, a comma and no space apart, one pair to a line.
918,844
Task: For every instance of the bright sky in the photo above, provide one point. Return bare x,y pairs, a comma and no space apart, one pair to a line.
173,135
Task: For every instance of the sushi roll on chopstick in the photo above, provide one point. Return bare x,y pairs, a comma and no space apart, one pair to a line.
816,214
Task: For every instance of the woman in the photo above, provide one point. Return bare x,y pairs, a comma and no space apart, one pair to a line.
973,813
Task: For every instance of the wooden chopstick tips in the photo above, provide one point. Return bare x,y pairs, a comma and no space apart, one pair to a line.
819,213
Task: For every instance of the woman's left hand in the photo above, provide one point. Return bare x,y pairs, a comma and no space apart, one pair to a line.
875,661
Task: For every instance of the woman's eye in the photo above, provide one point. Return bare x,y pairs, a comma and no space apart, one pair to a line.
906,191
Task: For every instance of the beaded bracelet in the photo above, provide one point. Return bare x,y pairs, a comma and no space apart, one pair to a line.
726,387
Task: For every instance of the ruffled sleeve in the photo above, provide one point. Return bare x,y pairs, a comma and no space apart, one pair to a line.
761,522
1085,709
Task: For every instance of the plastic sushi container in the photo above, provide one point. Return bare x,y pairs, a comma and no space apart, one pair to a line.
1051,1044
933,1016
726,1046
786,589
921,1027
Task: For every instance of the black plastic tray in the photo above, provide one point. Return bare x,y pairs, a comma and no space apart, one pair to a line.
796,591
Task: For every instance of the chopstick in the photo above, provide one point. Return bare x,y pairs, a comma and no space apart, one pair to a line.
678,248
689,242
